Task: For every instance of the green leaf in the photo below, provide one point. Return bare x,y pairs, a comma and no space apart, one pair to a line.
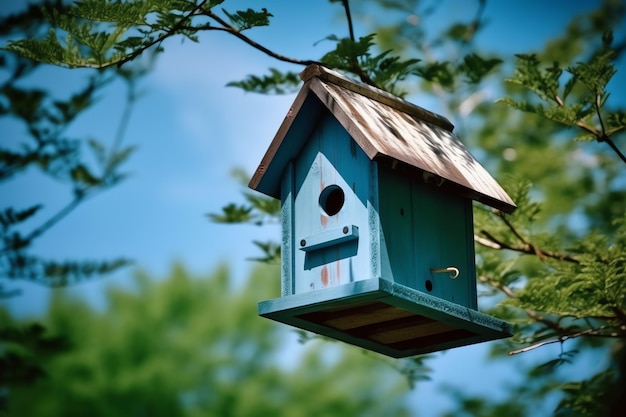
247,19
263,204
437,72
585,137
123,13
276,82
271,252
232,213
81,175
389,70
567,115
596,73
24,104
476,67
459,31
119,157
10,217
615,122
57,274
47,50
61,273
528,74
521,105
348,52
98,150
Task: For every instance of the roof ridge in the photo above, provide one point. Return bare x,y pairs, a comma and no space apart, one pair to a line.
374,93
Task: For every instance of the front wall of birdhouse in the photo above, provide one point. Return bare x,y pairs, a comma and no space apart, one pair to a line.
333,218
423,230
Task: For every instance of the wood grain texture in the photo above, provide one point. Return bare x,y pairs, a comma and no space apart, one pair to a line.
386,128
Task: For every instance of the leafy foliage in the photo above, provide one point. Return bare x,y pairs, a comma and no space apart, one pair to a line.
355,56
158,349
276,82
588,112
476,68
26,348
258,210
593,401
47,148
247,19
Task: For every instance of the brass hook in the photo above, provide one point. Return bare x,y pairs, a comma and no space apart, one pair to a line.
451,270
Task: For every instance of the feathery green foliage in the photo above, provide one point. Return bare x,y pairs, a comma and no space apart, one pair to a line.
48,149
277,82
187,345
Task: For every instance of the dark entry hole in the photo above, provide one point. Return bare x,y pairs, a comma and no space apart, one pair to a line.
429,285
332,199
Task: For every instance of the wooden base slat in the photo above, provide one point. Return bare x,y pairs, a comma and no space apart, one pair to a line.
386,317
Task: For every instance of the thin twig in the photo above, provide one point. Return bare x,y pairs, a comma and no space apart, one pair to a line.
554,325
599,113
124,121
346,6
127,58
619,153
58,216
561,339
233,31
476,22
494,243
601,136
355,67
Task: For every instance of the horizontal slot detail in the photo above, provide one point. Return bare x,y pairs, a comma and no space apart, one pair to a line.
329,238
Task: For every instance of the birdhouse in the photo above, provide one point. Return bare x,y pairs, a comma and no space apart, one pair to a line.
377,229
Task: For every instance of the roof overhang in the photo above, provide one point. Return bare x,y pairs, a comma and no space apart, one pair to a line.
386,128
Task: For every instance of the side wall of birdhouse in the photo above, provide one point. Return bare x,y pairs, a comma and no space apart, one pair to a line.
329,213
424,230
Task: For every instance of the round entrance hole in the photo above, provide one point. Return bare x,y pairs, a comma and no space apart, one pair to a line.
332,199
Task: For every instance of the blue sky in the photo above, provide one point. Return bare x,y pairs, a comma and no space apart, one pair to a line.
191,131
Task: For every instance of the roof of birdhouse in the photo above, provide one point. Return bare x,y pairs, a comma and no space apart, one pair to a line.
386,128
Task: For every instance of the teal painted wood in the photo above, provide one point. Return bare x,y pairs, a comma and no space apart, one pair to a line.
287,194
331,237
373,222
330,158
424,229
443,235
466,325
295,131
385,128
396,216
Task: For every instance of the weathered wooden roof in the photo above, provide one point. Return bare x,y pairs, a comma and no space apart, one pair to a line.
384,126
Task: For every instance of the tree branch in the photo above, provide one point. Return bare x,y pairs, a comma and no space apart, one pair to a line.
588,332
233,31
346,6
601,136
58,216
528,248
171,32
610,142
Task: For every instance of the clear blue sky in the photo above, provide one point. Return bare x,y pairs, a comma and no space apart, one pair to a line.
191,131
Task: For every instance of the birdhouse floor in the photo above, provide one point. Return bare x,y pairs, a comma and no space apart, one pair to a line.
385,317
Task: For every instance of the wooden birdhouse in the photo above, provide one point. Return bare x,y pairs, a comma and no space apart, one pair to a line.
377,229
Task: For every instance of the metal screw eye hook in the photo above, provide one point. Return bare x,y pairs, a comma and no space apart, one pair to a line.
451,270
